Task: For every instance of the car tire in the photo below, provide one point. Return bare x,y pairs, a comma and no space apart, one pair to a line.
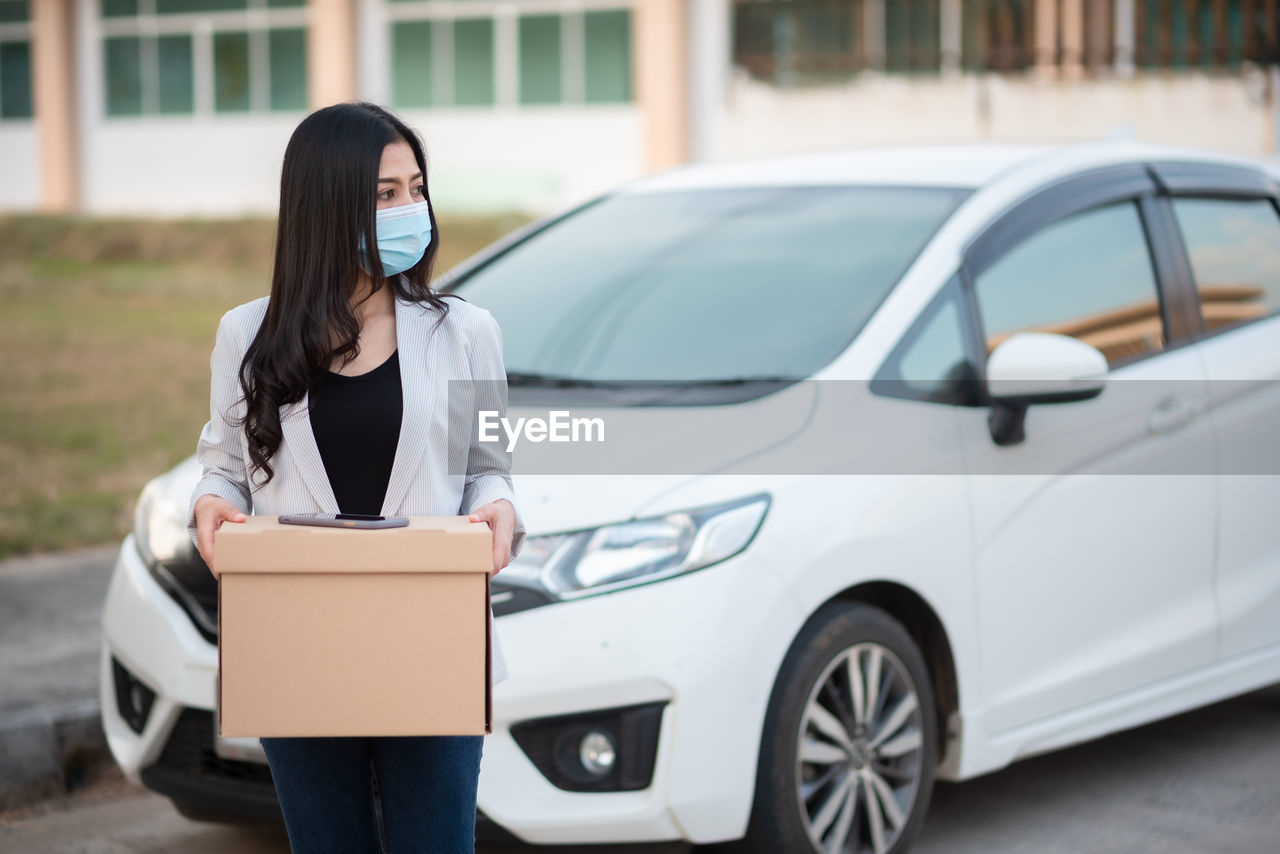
856,779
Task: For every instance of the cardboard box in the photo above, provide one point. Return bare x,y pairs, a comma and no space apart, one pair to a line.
334,631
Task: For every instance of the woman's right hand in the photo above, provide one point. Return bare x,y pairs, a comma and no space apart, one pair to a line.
211,512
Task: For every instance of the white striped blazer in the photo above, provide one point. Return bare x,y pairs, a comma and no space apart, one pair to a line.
467,345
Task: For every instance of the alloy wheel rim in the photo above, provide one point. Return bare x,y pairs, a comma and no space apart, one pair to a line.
860,752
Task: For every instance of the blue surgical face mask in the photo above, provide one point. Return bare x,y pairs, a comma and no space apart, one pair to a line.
404,233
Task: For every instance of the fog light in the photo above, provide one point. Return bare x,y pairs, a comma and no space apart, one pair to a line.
605,750
133,699
596,753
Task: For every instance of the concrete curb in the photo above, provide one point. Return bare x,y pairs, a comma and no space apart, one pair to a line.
49,751
49,636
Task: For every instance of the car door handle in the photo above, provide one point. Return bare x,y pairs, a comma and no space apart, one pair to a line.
1172,413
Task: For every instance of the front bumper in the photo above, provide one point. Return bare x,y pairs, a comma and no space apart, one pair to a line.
680,641
191,773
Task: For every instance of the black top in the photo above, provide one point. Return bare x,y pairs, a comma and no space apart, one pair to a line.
356,422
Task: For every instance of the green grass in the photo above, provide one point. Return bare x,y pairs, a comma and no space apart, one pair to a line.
106,326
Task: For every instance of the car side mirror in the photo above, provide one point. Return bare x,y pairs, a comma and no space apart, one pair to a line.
1038,367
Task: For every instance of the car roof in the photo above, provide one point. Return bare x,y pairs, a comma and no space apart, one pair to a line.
1272,164
966,165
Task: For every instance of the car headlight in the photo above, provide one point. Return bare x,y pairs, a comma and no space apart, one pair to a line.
160,535
610,557
160,527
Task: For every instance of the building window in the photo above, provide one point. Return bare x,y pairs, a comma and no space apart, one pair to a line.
287,51
473,62
177,86
15,60
125,8
15,80
231,72
123,60
119,8
803,42
15,11
176,57
411,78
999,35
123,74
483,53
797,42
180,7
607,37
171,7
1219,34
540,60
911,35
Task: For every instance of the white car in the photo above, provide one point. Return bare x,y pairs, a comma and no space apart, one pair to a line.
1050,516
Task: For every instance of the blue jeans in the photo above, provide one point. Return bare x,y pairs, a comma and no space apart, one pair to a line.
426,785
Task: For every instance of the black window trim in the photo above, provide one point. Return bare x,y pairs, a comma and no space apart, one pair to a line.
1097,188
1051,203
1042,207
1178,303
1151,186
1213,180
1206,181
888,381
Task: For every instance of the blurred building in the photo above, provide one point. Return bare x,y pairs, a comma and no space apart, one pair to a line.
1192,72
185,106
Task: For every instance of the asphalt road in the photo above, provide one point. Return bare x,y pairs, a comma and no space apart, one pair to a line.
50,635
1207,782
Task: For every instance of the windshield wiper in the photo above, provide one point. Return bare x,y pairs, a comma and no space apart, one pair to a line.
525,378
732,381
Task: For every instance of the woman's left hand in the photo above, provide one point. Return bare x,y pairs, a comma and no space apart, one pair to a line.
501,517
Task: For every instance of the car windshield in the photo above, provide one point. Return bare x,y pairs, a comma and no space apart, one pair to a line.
702,287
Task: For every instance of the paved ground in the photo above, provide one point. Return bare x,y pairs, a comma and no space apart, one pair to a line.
1207,782
50,613
50,617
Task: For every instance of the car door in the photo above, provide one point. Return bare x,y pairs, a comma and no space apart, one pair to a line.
1229,223
1093,536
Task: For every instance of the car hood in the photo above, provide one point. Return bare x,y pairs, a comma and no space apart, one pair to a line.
556,493
550,503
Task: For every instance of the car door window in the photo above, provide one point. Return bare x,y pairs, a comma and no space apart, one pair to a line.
931,362
1234,245
1089,276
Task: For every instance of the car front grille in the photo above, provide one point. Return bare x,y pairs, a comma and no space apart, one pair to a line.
190,750
190,753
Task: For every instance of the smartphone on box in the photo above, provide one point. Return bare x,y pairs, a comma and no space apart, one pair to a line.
343,520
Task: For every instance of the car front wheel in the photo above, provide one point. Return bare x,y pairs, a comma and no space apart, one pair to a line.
850,740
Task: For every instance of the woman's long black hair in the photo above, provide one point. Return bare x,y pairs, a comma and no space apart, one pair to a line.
328,199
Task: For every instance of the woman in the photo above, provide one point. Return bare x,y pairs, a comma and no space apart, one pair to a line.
352,389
